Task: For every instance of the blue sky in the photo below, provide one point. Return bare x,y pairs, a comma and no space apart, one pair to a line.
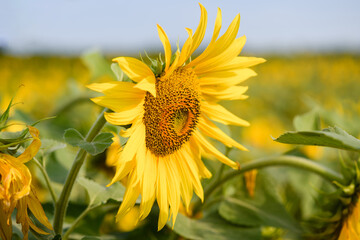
118,26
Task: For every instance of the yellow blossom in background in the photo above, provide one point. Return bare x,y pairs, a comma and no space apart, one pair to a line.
16,191
250,181
170,113
351,226
129,221
113,152
260,132
313,152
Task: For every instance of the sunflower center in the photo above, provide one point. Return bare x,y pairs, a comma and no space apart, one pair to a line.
171,116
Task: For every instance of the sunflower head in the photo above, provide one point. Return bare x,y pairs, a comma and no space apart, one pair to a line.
171,106
16,190
171,116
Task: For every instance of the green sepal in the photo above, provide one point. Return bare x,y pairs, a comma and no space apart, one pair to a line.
4,117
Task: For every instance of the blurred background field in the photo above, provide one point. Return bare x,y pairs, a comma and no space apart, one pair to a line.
312,72
286,85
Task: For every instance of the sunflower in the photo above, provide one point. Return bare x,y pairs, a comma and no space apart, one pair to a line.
171,107
16,191
350,229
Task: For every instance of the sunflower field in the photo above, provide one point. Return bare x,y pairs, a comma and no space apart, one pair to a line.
210,145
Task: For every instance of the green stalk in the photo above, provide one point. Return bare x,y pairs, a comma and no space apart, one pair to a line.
291,161
83,214
47,180
62,203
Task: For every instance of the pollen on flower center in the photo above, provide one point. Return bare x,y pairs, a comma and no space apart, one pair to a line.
171,116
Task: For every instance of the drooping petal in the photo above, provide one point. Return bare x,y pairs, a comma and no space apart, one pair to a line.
194,148
149,185
37,210
167,47
192,172
219,114
186,188
207,147
211,130
173,187
130,197
161,194
126,161
5,226
33,148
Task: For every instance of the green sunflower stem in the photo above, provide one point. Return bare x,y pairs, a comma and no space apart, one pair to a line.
62,203
291,161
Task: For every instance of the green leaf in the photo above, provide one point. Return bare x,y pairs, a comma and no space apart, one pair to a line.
97,64
99,194
213,227
49,146
309,121
252,214
264,209
98,145
330,137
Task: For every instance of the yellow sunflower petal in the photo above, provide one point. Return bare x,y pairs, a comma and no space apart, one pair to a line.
173,188
207,147
194,148
127,89
141,159
161,194
167,47
219,46
147,85
219,114
117,103
211,130
5,226
130,197
186,188
173,66
125,117
227,78
126,161
225,56
148,186
33,148
212,42
200,31
226,39
185,51
192,172
228,93
135,69
37,210
239,62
